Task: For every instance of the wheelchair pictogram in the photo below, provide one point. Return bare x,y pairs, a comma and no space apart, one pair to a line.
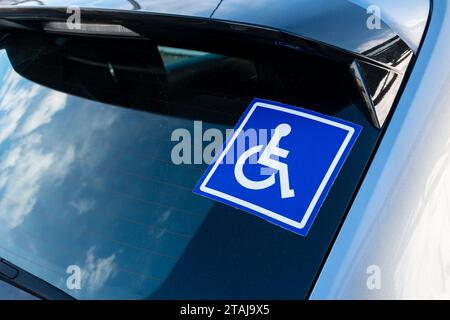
286,175
269,158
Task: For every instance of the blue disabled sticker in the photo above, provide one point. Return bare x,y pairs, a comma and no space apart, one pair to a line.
279,163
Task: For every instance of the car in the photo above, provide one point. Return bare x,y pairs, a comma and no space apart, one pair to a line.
115,117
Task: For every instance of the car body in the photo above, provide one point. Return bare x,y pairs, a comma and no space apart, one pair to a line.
89,120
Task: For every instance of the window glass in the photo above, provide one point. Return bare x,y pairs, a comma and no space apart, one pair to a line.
9,292
96,196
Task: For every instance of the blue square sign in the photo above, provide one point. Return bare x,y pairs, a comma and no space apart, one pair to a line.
279,163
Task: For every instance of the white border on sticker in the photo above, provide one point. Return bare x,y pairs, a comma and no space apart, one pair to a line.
296,224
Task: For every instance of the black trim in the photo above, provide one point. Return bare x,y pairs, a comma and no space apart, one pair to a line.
184,29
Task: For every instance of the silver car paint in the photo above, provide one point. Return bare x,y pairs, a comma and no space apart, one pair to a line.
398,228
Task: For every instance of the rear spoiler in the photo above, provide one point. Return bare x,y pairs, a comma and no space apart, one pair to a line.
378,71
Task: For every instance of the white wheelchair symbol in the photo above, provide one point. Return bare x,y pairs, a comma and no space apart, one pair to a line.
265,159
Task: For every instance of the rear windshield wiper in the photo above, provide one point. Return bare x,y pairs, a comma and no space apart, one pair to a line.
30,283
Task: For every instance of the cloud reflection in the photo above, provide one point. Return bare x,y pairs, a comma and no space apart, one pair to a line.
14,99
21,179
96,271
23,166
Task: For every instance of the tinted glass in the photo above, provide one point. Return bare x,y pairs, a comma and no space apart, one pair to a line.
88,181
9,292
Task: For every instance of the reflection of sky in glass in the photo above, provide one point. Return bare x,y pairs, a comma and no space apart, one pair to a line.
8,292
92,185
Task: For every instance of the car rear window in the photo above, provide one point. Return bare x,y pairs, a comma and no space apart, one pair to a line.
93,178
9,292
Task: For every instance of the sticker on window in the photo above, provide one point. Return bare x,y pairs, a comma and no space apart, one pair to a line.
279,163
